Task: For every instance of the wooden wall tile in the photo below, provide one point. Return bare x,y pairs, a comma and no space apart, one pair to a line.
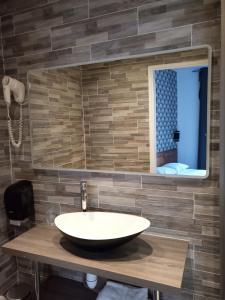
120,209
206,284
101,7
7,263
207,33
10,6
206,206
25,44
95,30
207,262
114,140
56,113
45,212
21,65
7,25
10,281
200,297
60,12
153,42
159,15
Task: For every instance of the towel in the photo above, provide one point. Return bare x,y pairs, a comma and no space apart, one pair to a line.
117,291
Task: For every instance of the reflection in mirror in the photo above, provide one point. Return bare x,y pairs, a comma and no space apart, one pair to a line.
179,94
147,114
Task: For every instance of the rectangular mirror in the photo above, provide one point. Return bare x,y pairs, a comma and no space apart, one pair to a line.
148,114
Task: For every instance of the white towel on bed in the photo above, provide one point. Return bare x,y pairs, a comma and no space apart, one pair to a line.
117,291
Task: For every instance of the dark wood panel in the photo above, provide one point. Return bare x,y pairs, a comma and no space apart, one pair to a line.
27,43
222,155
56,288
95,30
10,6
45,17
161,14
166,157
102,7
207,33
66,291
152,42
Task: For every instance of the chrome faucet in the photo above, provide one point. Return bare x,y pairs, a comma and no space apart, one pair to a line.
83,192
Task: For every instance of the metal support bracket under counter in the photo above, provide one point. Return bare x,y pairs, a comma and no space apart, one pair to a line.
147,261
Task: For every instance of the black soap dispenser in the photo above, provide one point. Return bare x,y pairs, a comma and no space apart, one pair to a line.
19,201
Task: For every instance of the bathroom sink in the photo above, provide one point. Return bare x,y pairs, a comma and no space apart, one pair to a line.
100,230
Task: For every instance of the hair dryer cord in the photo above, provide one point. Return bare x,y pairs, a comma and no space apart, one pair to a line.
15,143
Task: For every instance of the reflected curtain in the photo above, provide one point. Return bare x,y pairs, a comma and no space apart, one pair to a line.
202,141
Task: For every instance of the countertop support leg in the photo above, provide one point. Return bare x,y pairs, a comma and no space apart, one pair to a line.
37,280
156,295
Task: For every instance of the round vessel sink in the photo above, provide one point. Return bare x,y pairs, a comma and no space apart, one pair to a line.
100,230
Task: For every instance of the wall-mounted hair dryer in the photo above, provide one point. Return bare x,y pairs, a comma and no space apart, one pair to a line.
16,88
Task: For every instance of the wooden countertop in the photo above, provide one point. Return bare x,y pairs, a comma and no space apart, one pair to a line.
147,261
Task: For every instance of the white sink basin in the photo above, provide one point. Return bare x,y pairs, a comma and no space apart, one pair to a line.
100,230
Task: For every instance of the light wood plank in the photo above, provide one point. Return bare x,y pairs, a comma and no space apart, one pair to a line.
148,261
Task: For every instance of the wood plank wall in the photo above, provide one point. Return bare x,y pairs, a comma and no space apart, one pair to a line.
7,263
52,33
222,150
56,113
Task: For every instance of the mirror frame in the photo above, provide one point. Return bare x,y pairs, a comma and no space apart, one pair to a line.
208,47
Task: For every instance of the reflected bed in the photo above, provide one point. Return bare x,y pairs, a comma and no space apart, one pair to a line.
179,169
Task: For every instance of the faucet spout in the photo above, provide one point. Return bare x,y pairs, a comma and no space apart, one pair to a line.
83,192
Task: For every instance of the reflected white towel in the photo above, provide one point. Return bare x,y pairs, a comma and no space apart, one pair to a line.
117,291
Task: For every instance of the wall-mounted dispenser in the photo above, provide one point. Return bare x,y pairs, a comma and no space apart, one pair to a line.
19,201
19,206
